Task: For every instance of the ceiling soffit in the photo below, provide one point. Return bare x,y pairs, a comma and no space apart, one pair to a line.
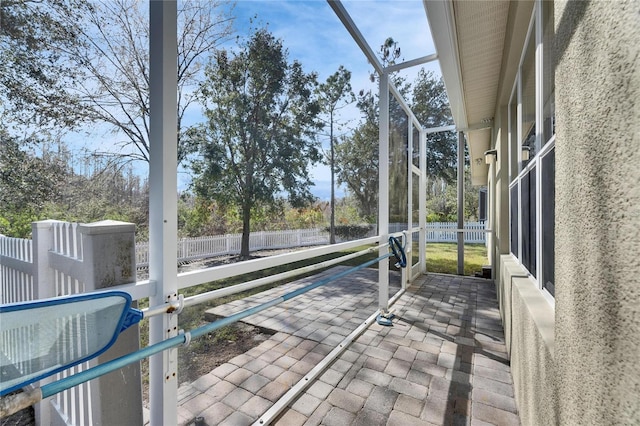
480,28
480,32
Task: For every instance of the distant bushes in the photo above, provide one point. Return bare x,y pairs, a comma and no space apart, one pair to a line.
351,232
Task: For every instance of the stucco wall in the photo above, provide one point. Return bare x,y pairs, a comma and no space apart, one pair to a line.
598,211
528,321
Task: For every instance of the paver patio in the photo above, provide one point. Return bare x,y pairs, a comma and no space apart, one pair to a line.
442,362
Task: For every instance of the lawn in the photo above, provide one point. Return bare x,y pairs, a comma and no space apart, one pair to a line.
443,258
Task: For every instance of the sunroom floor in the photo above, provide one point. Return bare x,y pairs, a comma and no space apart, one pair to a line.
443,361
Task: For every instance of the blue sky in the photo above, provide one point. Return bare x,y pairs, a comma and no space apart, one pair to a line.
314,35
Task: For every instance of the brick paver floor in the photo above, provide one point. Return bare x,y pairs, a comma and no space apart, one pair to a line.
442,362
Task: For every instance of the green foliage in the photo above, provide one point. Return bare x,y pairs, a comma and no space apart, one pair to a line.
442,200
27,183
34,74
304,218
357,155
347,212
44,186
226,334
331,93
430,105
357,167
72,62
198,217
352,232
17,224
258,140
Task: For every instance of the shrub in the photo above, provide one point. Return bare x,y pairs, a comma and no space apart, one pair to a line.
351,232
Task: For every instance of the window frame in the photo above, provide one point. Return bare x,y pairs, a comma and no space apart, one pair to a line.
542,149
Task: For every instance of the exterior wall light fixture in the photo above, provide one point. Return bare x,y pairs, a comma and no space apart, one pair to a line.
490,156
525,153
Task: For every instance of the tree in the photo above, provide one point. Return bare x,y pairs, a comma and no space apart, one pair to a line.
430,105
34,74
442,199
336,89
357,167
258,141
357,155
104,71
27,182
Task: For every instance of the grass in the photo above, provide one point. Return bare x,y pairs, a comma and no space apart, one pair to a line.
443,258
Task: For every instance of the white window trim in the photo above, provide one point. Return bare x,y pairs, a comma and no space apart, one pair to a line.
535,29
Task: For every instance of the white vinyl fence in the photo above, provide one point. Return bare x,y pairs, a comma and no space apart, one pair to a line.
229,244
59,261
445,232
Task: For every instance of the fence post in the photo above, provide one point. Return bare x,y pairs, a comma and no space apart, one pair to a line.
43,287
110,260
43,279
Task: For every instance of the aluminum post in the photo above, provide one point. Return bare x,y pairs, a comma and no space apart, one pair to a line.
460,203
422,244
383,192
163,226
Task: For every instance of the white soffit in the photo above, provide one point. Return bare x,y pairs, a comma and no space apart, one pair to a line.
480,30
443,32
469,37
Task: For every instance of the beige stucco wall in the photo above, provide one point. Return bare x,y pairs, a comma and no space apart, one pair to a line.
528,318
598,211
528,321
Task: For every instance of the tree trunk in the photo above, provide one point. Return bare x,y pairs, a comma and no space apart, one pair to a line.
246,227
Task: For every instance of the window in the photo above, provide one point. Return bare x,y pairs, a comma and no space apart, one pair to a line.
548,219
514,145
548,85
532,130
528,223
528,101
514,218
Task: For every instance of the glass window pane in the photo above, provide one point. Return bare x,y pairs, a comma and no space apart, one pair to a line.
526,238
528,99
483,198
528,205
533,223
548,220
514,155
514,219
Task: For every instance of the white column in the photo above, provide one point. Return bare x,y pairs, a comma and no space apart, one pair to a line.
44,287
406,272
460,202
383,192
109,259
422,244
163,226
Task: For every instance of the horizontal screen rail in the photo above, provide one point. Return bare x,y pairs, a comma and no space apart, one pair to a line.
191,278
227,291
